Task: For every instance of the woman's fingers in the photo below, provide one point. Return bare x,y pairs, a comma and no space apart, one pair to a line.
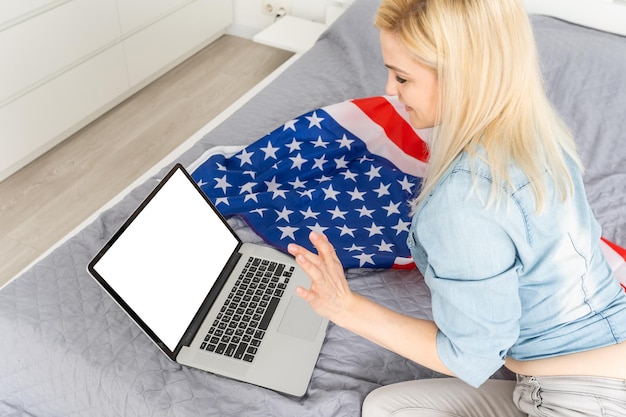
322,266
329,293
327,260
305,294
323,246
310,262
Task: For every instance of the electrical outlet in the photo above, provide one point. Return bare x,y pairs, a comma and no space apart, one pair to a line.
276,8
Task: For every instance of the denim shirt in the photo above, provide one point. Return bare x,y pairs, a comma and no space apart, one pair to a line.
506,281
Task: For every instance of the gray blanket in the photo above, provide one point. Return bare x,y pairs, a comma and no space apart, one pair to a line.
67,349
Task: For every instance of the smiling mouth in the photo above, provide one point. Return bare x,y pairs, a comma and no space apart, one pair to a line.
406,107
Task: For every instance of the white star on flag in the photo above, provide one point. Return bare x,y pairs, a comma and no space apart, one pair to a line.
382,190
298,161
274,188
294,145
356,194
384,246
222,183
392,208
336,213
259,211
365,258
329,193
297,184
247,188
365,212
314,120
373,172
290,125
288,231
309,214
284,214
375,229
319,162
270,151
345,230
318,228
344,142
245,157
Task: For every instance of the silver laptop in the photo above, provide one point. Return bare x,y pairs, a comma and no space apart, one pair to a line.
205,298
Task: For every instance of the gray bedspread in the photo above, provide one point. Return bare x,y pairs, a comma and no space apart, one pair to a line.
66,349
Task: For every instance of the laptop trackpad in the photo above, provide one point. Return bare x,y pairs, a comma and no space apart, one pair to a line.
300,320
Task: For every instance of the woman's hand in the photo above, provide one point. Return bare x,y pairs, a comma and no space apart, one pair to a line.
331,297
329,294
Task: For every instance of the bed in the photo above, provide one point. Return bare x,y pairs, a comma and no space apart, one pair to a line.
67,349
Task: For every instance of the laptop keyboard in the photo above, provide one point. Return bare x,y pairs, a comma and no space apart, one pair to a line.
240,326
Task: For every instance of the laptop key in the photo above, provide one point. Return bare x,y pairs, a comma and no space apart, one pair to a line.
230,350
271,309
241,350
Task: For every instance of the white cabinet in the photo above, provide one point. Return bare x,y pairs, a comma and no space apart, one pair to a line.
161,42
36,121
17,9
48,42
64,63
135,13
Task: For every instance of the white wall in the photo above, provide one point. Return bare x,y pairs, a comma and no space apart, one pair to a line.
607,15
250,19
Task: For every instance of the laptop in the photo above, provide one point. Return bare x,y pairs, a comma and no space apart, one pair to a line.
206,299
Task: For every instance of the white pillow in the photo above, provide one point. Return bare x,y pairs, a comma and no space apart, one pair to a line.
605,15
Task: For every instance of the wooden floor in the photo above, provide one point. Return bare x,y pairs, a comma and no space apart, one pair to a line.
43,202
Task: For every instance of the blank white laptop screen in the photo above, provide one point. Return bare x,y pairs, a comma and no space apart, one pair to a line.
165,263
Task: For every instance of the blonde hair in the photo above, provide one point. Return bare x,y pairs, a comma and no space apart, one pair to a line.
491,93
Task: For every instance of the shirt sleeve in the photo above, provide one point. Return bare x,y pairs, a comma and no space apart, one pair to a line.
472,272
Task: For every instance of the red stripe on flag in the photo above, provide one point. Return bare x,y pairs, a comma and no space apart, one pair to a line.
397,129
621,251
404,265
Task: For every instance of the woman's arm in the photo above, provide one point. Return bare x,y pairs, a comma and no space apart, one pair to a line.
330,296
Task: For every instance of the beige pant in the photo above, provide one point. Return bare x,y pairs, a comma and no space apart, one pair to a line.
529,397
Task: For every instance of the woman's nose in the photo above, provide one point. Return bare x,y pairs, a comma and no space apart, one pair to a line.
390,87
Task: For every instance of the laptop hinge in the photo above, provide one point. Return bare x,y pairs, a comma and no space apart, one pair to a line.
208,301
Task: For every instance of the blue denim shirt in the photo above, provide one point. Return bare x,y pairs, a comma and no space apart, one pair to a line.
506,281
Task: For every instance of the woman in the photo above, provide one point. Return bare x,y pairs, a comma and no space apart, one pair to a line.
502,231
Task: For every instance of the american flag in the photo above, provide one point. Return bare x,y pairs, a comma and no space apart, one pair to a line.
347,170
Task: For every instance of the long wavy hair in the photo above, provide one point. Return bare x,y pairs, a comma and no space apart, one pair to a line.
491,92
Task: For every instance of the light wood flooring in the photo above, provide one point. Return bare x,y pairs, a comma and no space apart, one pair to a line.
43,202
